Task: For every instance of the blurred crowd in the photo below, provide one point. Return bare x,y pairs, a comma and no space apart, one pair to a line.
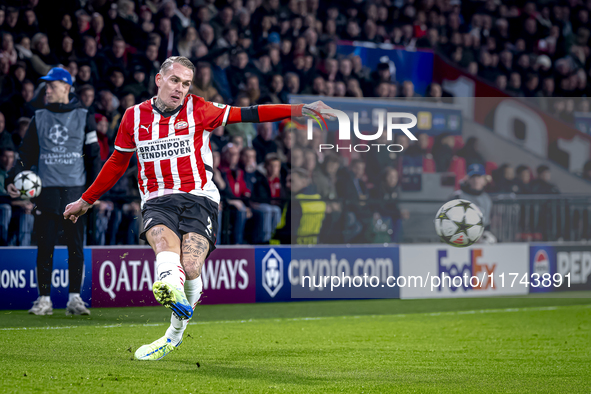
526,48
259,51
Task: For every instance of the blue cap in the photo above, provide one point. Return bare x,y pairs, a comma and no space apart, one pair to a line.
58,74
274,38
476,169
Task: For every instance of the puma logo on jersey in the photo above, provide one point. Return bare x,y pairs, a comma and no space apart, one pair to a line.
145,127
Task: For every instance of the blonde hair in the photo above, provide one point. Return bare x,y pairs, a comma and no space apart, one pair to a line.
167,65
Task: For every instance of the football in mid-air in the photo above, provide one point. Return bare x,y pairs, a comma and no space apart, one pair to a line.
28,184
459,223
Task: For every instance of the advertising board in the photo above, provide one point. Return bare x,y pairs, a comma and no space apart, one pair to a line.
18,279
124,277
439,271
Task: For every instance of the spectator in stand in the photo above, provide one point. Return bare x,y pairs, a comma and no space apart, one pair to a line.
252,89
267,195
284,142
19,105
115,56
237,140
276,94
244,130
385,203
22,125
203,84
84,76
514,85
189,42
219,138
11,206
86,94
472,189
532,82
248,164
238,70
218,180
501,82
325,177
351,183
235,191
30,25
470,152
408,90
42,58
434,93
310,161
524,179
5,138
115,80
504,180
263,142
296,158
89,57
292,83
542,185
7,49
443,151
416,148
137,84
102,130
587,170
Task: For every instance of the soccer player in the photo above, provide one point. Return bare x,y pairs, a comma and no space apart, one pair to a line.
61,144
170,135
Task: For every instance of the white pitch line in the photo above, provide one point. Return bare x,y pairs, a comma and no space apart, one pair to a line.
453,313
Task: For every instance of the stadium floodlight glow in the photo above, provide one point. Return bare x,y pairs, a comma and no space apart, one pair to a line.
344,132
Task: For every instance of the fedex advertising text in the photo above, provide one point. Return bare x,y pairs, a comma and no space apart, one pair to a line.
481,270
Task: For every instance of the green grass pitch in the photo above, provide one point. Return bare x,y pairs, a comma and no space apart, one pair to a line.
530,344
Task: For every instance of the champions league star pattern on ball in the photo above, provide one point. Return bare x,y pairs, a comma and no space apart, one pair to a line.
459,223
28,184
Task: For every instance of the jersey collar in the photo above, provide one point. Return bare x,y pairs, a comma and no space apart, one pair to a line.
170,113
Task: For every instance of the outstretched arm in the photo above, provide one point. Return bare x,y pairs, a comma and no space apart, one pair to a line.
215,115
272,112
113,169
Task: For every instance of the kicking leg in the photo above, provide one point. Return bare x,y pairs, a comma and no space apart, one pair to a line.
168,288
194,251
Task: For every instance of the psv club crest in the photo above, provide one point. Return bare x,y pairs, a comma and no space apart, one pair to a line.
181,125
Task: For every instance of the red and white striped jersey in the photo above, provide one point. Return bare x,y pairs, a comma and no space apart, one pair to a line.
174,153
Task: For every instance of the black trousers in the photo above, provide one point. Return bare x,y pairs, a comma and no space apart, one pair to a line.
47,228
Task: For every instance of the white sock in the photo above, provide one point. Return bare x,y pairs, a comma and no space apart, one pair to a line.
169,269
72,295
45,298
193,289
